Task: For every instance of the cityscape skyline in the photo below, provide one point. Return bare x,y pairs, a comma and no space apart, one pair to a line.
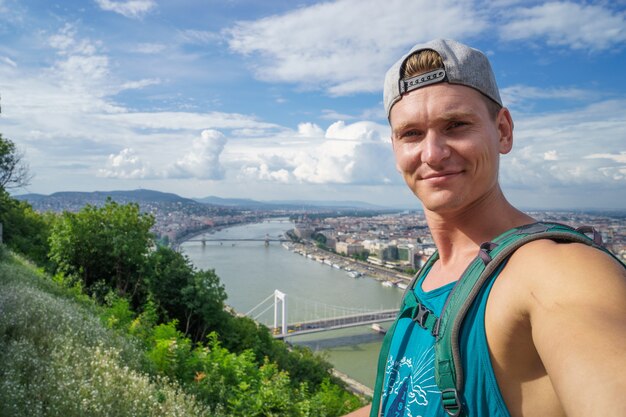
283,101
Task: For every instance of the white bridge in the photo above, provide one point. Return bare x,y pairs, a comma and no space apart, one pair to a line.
324,316
267,239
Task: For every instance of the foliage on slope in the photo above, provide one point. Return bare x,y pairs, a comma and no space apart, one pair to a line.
57,359
163,321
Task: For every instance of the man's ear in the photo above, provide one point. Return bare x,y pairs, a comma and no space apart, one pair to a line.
504,124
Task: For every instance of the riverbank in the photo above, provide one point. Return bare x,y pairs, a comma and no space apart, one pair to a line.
353,385
353,267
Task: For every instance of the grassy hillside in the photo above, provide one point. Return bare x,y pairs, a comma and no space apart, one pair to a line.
57,359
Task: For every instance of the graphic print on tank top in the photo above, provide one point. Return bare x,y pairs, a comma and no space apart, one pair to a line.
410,385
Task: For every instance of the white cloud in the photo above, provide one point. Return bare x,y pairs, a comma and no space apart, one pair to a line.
577,147
249,132
329,114
199,36
264,173
361,131
149,48
79,67
186,120
135,85
614,166
355,153
346,46
128,8
577,26
203,159
125,165
64,39
619,157
551,155
8,61
309,130
58,98
84,67
519,95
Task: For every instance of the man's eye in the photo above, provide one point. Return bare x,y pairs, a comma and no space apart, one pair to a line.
409,134
454,125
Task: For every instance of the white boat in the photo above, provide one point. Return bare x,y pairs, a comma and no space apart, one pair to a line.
387,284
378,328
402,286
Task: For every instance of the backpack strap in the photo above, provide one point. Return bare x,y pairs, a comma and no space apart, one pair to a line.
448,371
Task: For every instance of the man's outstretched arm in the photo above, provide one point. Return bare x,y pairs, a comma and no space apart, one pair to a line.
577,310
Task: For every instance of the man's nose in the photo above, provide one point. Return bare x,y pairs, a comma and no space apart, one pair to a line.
435,149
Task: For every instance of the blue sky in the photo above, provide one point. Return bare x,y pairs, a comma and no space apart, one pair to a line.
282,100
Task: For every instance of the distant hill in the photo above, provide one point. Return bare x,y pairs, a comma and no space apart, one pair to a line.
288,204
131,195
233,202
75,200
333,203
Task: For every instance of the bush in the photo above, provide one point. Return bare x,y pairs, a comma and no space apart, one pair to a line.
57,359
105,247
24,230
302,365
195,299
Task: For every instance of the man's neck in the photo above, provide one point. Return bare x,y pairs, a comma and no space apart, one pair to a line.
458,235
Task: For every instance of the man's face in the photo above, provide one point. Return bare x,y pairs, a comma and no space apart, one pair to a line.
447,145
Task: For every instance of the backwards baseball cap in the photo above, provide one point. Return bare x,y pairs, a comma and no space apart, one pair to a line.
461,65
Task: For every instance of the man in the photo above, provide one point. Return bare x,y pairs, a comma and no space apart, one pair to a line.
547,336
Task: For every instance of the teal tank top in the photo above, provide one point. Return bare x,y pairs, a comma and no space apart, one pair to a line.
409,388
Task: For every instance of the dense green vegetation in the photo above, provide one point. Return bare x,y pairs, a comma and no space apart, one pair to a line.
58,359
101,321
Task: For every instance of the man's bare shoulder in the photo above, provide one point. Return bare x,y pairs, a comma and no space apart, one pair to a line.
551,270
545,259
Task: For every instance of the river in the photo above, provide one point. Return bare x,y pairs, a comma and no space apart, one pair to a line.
251,271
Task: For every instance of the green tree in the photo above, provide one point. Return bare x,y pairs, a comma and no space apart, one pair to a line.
361,256
104,247
14,171
204,303
194,298
320,240
23,229
331,400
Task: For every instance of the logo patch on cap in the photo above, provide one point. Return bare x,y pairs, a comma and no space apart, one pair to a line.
422,80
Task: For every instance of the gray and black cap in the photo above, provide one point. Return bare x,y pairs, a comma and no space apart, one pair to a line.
462,65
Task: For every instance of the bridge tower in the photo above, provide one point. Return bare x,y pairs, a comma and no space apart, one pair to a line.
280,298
